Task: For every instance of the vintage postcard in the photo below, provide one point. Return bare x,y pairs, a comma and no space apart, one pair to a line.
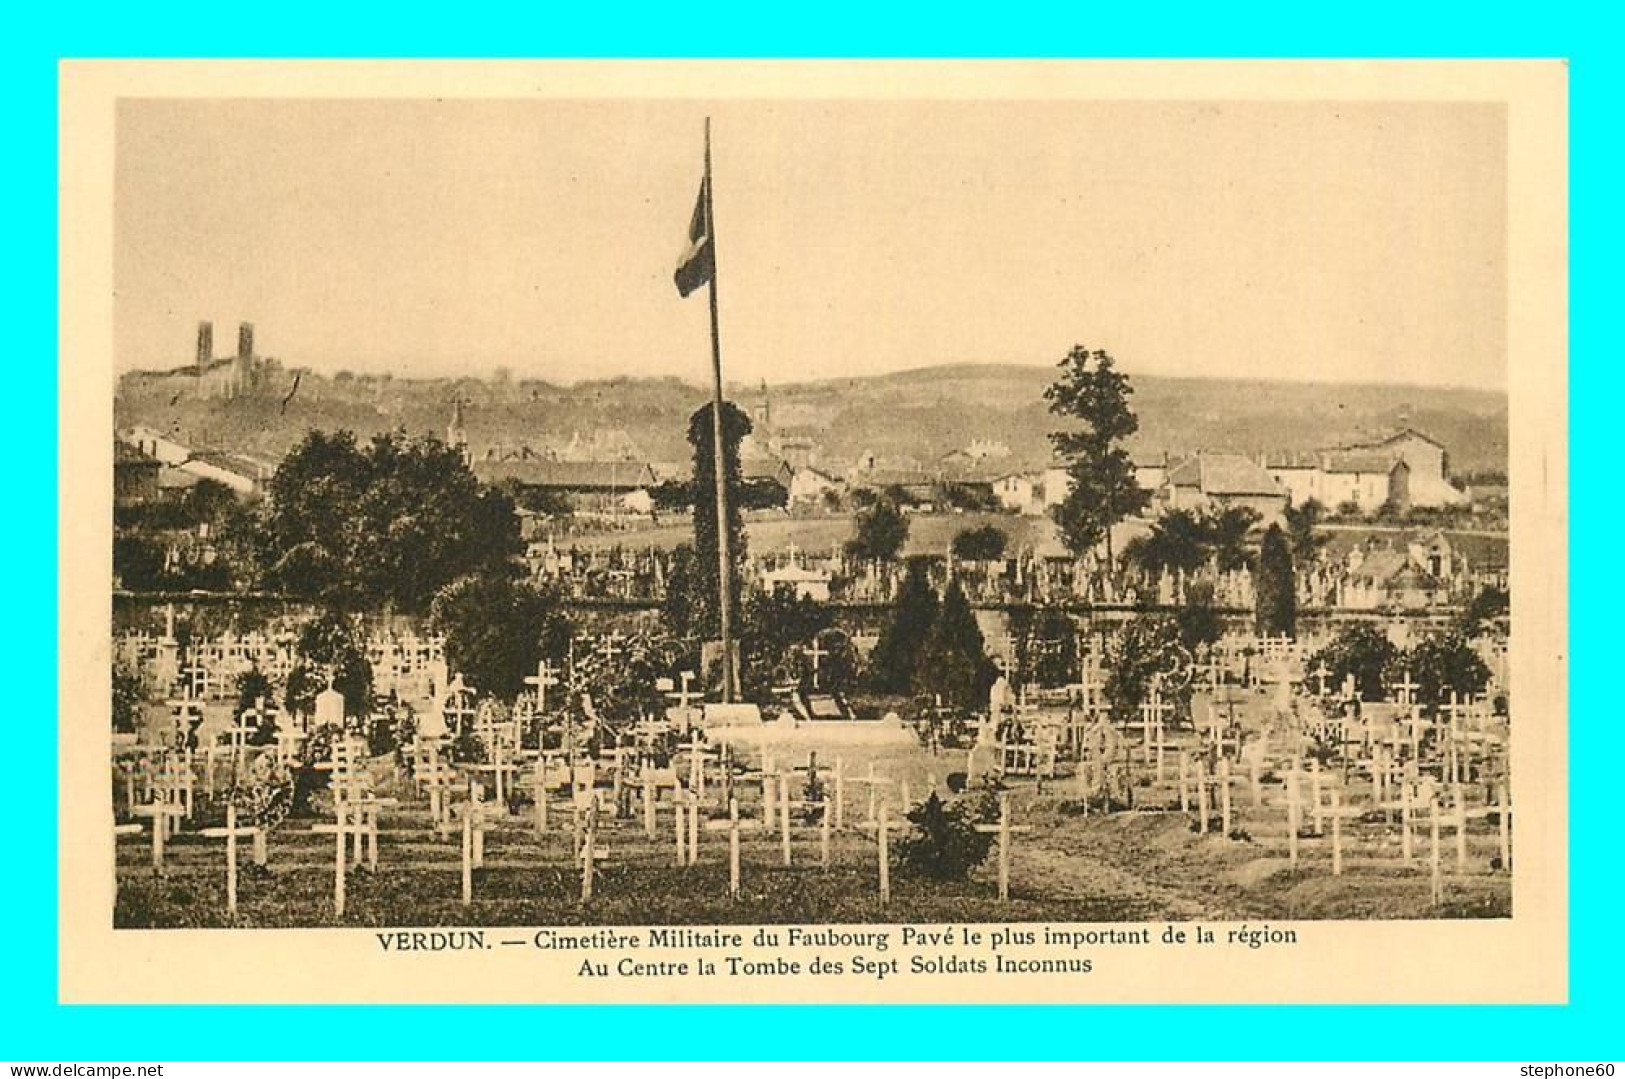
812,531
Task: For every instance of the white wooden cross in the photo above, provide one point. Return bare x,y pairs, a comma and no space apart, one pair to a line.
733,826
247,726
1406,688
1319,674
684,696
609,646
346,822
160,811
547,674
457,709
591,853
230,833
874,784
1005,831
815,653
473,845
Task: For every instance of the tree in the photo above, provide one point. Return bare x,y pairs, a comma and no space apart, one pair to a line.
879,533
498,629
1275,609
1143,649
1361,650
1485,608
891,665
1104,489
129,691
776,627
391,522
687,608
538,500
1046,651
1443,664
953,664
984,544
1301,523
330,650
1227,536
1178,541
703,490
1198,620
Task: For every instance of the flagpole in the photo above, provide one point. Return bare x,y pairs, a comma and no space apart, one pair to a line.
724,555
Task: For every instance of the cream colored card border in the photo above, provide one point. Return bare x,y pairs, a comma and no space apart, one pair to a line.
1521,959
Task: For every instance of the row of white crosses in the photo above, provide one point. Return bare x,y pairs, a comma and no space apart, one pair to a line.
355,813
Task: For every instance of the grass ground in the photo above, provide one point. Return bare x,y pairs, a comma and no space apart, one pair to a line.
1143,865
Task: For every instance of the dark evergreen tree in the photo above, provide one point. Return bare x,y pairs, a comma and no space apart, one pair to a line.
1302,524
891,665
953,664
735,426
1275,606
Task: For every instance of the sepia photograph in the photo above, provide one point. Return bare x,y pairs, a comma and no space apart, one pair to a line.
717,514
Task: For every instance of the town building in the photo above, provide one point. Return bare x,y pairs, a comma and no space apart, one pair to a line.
135,474
611,488
1427,463
1219,481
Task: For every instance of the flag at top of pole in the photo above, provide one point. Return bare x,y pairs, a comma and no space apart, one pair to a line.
697,265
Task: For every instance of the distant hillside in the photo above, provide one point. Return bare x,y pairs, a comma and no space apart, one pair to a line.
919,414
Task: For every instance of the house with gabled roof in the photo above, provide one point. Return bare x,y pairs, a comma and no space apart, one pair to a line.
1217,481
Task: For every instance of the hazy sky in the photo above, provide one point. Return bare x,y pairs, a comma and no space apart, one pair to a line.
1316,241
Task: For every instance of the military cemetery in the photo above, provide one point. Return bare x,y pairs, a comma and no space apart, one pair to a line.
1047,639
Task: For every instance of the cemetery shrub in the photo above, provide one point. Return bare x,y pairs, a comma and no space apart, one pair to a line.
307,778
1443,664
620,678
329,645
687,608
1142,649
498,628
129,692
944,843
896,654
252,687
1276,603
1361,650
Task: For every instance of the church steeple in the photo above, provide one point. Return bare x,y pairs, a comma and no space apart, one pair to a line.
456,432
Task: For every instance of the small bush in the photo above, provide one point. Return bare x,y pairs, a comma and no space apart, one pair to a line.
944,843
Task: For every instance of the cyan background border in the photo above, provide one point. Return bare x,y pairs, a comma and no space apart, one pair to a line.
33,1026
